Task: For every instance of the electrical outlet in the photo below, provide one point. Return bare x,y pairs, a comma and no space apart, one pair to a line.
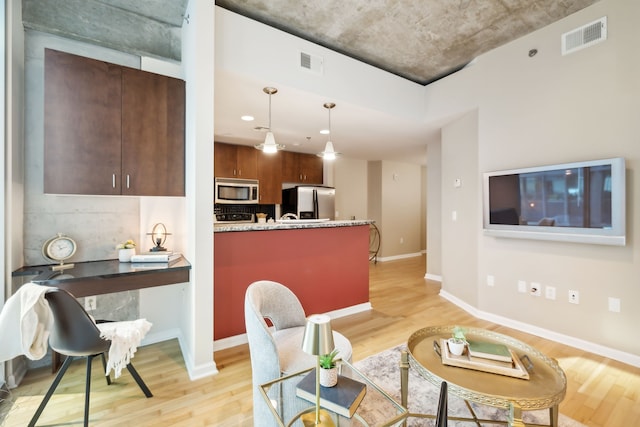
90,303
614,304
522,286
491,281
535,289
550,292
574,297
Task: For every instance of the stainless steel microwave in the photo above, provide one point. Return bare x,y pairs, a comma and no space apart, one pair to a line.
236,191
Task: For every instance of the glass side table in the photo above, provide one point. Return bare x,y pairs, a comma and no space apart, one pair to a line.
376,409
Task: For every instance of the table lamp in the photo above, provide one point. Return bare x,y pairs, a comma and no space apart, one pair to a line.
158,237
317,341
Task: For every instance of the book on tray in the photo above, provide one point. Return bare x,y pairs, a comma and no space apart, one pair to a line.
155,257
343,398
489,350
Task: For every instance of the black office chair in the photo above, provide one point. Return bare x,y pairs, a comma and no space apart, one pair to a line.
74,334
441,416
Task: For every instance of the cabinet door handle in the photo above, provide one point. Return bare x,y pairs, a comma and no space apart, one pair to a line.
127,181
239,172
234,172
113,180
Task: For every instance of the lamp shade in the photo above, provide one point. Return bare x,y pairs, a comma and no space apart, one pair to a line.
318,336
270,145
329,153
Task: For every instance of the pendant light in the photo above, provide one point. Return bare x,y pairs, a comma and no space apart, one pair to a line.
329,153
269,145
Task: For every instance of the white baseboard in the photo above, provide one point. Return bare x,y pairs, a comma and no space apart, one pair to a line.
16,370
434,277
236,340
611,353
403,256
195,371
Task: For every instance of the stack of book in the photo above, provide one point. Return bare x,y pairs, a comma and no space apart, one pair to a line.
490,352
343,398
153,257
484,356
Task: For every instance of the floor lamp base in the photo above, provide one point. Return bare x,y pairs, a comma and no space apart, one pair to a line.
309,419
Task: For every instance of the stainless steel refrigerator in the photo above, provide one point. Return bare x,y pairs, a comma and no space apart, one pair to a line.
309,201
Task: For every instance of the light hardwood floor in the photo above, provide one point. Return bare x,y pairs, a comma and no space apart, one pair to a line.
600,392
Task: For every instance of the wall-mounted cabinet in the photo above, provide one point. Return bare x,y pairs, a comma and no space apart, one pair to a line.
111,130
301,168
270,177
235,161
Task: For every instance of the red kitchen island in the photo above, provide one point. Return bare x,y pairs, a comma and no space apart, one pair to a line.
326,264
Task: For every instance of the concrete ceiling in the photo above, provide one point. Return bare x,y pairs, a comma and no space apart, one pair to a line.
418,40
421,41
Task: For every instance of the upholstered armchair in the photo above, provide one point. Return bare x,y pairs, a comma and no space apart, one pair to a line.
276,351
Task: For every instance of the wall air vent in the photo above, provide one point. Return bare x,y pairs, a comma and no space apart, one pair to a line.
311,63
585,36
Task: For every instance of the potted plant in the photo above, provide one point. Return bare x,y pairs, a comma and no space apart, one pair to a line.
457,342
328,370
126,250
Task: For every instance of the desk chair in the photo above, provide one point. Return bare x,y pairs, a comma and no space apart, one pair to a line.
74,334
278,352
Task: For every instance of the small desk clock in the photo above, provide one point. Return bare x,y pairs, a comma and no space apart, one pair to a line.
59,248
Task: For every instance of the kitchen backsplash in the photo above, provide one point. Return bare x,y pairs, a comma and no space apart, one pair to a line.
270,210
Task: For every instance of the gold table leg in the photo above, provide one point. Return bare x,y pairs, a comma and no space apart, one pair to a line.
515,416
404,380
553,416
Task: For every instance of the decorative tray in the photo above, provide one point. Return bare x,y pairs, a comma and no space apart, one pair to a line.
514,369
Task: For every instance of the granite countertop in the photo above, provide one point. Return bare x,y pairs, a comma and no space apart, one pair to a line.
288,225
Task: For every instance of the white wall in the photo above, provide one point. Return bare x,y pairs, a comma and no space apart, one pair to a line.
401,189
350,179
14,159
460,207
395,196
434,211
542,110
198,63
3,202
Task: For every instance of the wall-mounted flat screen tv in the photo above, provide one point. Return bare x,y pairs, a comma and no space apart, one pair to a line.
573,202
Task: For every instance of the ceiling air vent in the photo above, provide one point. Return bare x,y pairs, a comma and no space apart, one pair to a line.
311,63
585,36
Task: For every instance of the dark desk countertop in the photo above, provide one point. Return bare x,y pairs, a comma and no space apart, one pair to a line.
108,276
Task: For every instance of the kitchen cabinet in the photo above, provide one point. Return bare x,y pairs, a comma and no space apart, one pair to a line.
153,150
235,161
270,178
111,130
302,168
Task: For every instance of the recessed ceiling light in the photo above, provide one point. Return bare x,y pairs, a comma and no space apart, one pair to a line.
247,118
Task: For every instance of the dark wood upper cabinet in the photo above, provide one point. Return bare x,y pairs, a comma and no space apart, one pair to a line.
82,125
235,161
153,124
111,130
301,168
270,177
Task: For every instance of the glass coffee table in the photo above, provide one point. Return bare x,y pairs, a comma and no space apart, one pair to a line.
377,408
545,388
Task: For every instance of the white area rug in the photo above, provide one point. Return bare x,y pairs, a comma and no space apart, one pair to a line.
383,369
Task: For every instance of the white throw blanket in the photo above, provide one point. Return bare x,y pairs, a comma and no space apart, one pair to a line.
125,338
25,323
